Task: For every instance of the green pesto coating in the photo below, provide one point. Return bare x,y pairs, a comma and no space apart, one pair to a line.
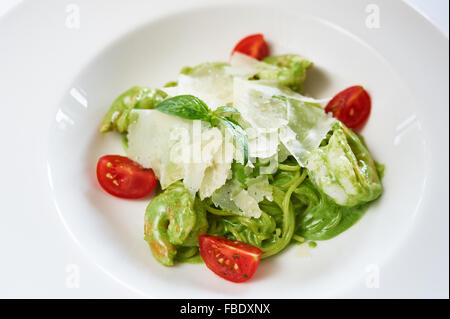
344,169
173,219
290,72
138,97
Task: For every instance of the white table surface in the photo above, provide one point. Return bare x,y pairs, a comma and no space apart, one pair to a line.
50,281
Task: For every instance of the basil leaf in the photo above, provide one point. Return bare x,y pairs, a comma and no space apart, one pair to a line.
226,111
239,135
185,106
192,108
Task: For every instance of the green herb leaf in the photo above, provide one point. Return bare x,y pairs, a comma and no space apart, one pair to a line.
226,111
171,84
239,172
239,135
185,106
192,108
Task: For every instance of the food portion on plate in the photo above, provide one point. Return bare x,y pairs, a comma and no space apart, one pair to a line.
246,162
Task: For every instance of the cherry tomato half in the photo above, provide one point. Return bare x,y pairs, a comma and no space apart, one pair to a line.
124,178
351,106
254,45
232,260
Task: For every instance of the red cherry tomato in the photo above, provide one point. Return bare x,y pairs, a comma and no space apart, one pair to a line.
254,46
122,177
232,260
351,106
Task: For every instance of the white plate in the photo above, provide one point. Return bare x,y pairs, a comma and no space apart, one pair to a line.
62,80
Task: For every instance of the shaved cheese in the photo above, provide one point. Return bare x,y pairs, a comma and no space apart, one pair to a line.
308,126
302,125
283,153
210,83
223,197
217,174
247,204
233,197
262,143
178,149
245,66
150,139
259,188
194,172
256,104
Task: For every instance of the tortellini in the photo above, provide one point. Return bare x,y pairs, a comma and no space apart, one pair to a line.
138,97
344,170
173,218
291,70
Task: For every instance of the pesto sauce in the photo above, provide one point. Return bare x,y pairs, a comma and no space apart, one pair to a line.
124,138
312,244
197,259
331,221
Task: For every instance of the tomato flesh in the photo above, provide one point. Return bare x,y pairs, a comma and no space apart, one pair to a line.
351,106
124,178
254,45
232,260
